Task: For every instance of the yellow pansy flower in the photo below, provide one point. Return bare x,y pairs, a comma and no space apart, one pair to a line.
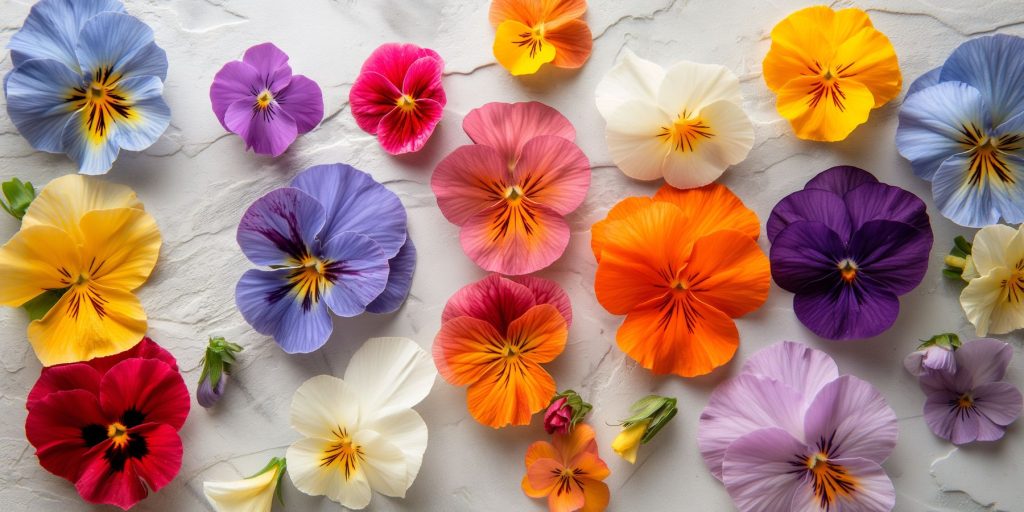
531,33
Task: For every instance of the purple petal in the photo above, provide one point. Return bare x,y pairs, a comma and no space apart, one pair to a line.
1000,402
840,179
280,228
850,418
805,256
878,201
874,491
266,131
269,302
271,64
982,361
233,83
357,203
939,359
924,81
890,255
994,66
357,270
742,405
847,311
758,472
810,205
796,365
931,124
401,269
303,101
207,395
950,422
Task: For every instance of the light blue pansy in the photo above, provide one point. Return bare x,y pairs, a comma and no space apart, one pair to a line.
962,128
87,81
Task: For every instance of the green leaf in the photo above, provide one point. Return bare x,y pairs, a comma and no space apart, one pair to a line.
962,244
19,196
43,303
953,273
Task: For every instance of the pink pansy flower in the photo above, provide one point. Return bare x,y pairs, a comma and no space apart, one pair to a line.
510,191
398,96
259,99
790,433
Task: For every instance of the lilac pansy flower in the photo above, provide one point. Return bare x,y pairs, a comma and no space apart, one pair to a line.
972,403
260,99
848,246
335,241
790,433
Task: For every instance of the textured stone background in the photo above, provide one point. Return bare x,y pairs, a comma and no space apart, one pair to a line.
197,180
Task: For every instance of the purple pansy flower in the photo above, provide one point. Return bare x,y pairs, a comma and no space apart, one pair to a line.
335,241
259,99
848,246
790,433
972,403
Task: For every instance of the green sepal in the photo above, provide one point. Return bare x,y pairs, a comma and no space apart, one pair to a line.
962,245
220,355
655,409
38,307
956,260
952,273
19,195
948,340
275,463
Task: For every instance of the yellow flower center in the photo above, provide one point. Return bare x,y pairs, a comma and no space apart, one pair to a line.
406,103
118,433
311,278
847,270
830,481
534,39
102,103
514,194
966,401
343,453
264,100
1013,286
686,133
567,479
988,155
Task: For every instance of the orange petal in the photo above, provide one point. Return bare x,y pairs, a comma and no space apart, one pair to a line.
515,238
465,349
544,474
596,496
824,110
510,393
591,466
567,498
540,450
623,209
531,492
713,208
527,12
641,256
540,334
579,440
573,43
678,335
560,11
729,272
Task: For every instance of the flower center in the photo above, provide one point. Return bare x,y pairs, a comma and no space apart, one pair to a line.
118,433
847,270
514,194
966,401
679,285
344,453
406,103
534,39
264,100
102,103
988,155
311,279
686,132
567,478
830,481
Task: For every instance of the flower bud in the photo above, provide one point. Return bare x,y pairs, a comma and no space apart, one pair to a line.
650,415
207,395
565,411
933,355
220,355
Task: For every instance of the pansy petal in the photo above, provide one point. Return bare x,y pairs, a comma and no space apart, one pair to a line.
465,348
925,81
977,191
742,405
400,271
824,112
991,64
390,374
854,419
100,483
356,271
148,387
712,208
515,238
34,260
92,148
596,496
493,299
150,115
63,202
469,180
891,255
847,311
145,349
949,422
270,302
1000,402
267,131
578,441
995,246
796,365
280,228
54,427
150,60
423,79
530,13
934,123
406,430
634,134
122,246
271,63
691,86
406,131
356,202
519,58
111,40
729,272
573,43
546,291
383,464
983,361
37,104
52,28
554,172
322,405
506,127
840,179
543,474
63,377
631,78
306,470
303,100
540,334
983,304
872,62
803,38
371,98
805,255
392,60
758,472
878,201
701,160
510,396
599,231
810,205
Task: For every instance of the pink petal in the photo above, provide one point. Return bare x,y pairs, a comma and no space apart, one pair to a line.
553,172
423,80
266,134
804,369
982,361
508,126
469,180
546,291
372,97
234,82
303,101
515,241
741,406
271,63
759,475
853,418
406,131
494,299
392,60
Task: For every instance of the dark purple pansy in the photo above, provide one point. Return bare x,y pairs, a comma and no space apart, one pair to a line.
848,246
335,242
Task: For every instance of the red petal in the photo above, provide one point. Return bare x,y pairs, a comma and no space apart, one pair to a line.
102,483
407,131
423,80
149,387
64,377
163,461
55,428
394,59
146,349
372,97
493,299
99,483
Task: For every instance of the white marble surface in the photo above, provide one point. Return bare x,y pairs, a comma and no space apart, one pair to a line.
197,180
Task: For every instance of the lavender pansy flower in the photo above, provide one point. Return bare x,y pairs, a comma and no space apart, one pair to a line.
972,403
87,81
848,246
933,355
790,433
335,242
259,99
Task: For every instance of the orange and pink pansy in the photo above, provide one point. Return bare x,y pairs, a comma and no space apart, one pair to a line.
568,472
531,33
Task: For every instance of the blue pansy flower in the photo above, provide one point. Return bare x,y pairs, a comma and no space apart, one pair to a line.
87,81
962,128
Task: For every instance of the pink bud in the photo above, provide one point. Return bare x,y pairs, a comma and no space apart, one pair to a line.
558,417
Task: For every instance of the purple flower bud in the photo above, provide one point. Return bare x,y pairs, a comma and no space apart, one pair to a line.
558,417
207,395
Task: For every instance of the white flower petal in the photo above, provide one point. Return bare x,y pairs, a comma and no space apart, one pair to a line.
309,476
632,78
322,405
690,87
982,298
390,374
691,169
383,464
406,430
633,139
994,246
254,494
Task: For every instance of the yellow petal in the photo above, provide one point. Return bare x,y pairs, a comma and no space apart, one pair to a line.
521,49
869,58
627,443
824,110
121,247
36,259
64,201
798,42
89,321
